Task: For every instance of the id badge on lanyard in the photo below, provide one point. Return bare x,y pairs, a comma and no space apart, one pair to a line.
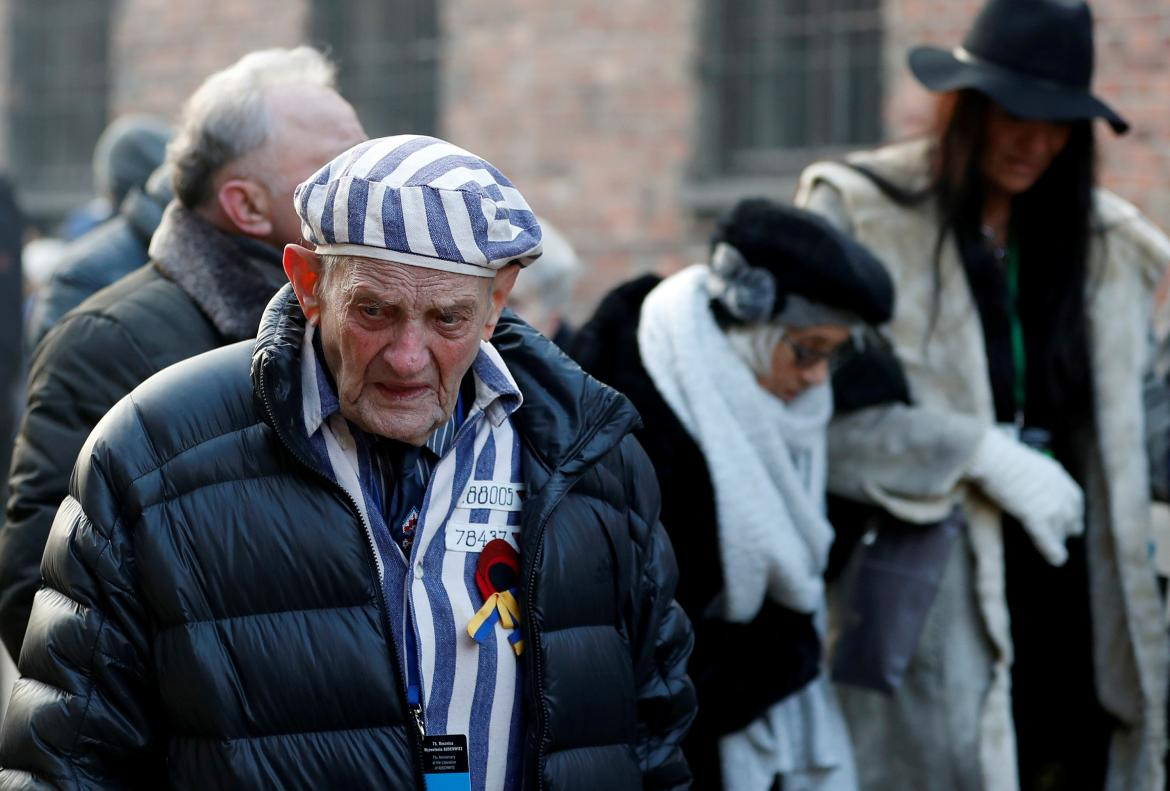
446,764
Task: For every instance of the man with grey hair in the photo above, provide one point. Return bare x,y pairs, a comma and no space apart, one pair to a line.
245,138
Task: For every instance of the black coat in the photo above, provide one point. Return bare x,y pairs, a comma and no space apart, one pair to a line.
93,261
213,617
738,669
204,289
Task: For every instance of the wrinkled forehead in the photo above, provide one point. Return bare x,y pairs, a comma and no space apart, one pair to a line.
392,281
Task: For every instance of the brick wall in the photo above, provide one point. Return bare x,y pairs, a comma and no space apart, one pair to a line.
595,115
590,108
1133,75
162,50
909,23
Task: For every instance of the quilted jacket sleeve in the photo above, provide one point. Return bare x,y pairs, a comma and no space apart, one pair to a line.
81,370
664,639
84,712
63,293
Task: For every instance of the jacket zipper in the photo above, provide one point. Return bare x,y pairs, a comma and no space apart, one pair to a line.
536,653
383,607
528,618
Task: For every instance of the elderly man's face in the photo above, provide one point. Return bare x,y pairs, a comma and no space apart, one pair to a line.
398,339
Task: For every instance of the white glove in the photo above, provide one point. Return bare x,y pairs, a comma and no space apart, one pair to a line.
1033,488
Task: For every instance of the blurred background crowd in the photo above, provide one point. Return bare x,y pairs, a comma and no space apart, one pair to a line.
631,127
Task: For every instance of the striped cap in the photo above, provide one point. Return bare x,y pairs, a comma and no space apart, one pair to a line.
420,201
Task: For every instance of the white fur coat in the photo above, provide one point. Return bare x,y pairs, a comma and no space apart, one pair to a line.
948,377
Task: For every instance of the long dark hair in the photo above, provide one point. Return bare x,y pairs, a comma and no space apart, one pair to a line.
1052,226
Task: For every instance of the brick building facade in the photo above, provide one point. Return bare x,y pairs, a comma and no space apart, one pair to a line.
615,119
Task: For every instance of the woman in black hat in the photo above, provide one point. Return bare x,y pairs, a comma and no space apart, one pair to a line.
1024,293
727,363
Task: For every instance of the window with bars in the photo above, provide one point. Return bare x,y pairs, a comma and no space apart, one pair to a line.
387,53
784,78
59,67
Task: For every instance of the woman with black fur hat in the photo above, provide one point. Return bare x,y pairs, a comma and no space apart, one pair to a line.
728,364
1024,294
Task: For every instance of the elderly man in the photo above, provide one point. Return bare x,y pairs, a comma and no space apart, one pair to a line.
247,137
395,551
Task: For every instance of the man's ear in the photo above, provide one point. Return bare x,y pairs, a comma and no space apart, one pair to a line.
303,268
502,284
246,204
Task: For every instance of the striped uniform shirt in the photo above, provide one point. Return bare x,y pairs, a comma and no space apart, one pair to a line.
467,688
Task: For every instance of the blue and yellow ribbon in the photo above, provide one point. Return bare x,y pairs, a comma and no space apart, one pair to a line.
499,608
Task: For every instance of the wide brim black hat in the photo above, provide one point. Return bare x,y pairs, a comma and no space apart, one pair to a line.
1020,94
1034,58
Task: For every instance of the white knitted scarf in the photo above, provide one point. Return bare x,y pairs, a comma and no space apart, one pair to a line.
766,458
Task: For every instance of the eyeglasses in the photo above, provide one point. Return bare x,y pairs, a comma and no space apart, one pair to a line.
804,358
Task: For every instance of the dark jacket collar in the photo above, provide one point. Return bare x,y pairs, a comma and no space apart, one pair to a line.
568,420
231,278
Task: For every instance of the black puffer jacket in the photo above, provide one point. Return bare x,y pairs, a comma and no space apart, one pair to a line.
739,670
204,289
213,616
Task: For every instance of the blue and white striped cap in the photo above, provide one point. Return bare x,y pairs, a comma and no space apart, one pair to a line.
421,201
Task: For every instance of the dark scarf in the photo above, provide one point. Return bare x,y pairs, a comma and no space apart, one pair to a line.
230,277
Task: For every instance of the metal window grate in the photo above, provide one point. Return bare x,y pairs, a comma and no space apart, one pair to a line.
59,56
387,51
791,75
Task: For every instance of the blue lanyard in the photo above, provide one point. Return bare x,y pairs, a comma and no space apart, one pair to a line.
413,682
413,673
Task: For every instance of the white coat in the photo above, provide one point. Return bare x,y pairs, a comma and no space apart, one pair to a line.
950,725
